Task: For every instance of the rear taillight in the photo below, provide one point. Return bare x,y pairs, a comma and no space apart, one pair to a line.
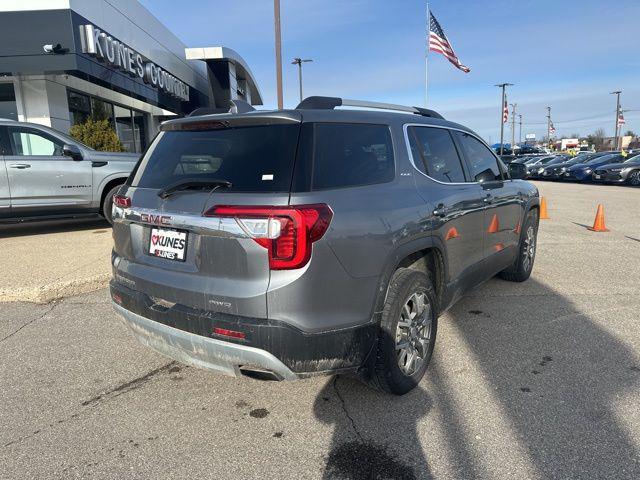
286,232
121,201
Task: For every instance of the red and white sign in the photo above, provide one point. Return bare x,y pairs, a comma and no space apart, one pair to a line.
169,244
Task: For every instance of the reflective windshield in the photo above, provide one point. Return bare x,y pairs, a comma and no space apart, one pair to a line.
634,159
602,159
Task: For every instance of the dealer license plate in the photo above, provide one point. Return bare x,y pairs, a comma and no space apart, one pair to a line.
596,176
169,244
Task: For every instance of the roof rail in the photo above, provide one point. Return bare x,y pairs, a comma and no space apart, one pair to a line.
329,103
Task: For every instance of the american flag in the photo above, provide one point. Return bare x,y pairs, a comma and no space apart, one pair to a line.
620,119
552,129
505,112
438,42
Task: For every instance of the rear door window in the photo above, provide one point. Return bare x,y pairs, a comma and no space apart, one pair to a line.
482,163
253,159
347,155
435,154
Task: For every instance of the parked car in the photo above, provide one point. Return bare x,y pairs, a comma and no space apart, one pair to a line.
314,240
547,171
556,170
536,168
46,174
528,150
623,172
582,172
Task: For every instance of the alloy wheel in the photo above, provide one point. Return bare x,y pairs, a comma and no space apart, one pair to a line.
413,333
529,249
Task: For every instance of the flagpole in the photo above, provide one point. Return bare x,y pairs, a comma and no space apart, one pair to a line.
426,60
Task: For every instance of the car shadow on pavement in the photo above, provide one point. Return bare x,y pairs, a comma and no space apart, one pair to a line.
375,435
57,226
559,373
380,436
556,374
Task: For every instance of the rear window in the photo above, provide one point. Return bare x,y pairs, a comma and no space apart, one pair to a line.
346,155
253,159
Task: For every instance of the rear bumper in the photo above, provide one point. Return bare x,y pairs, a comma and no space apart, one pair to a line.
207,353
187,335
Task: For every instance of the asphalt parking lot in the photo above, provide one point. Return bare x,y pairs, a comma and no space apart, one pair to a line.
532,380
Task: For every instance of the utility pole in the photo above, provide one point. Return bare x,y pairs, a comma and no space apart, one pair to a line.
278,33
503,86
617,94
520,133
513,125
299,61
549,127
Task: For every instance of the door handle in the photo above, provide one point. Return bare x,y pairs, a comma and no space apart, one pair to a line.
440,210
21,166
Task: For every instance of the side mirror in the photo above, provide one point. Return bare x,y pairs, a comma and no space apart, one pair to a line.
517,171
70,150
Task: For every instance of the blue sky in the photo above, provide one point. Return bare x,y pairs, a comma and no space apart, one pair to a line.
568,54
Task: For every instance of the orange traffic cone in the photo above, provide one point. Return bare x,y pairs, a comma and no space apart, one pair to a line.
598,223
494,226
543,209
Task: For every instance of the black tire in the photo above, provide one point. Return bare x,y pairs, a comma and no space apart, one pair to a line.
387,374
107,203
634,178
521,269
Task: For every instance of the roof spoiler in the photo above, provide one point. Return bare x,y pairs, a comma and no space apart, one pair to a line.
329,103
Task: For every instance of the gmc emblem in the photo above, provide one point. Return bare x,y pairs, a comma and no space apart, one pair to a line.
155,219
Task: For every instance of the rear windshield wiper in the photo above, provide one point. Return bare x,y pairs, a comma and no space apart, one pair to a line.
192,183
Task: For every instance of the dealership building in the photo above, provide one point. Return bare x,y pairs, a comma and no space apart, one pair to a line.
65,61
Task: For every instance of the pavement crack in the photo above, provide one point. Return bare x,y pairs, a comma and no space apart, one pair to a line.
128,386
39,317
346,412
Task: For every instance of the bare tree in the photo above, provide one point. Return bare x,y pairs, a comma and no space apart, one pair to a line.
597,139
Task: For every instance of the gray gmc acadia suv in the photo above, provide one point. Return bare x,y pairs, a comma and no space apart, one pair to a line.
283,244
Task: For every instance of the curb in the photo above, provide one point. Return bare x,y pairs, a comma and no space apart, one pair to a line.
55,291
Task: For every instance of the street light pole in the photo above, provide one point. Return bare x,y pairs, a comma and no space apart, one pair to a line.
513,125
299,61
549,127
520,133
504,99
617,94
278,34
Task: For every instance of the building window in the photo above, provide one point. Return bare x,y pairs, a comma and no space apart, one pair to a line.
128,123
8,108
124,128
79,108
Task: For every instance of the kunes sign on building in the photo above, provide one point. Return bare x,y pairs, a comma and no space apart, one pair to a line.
118,55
